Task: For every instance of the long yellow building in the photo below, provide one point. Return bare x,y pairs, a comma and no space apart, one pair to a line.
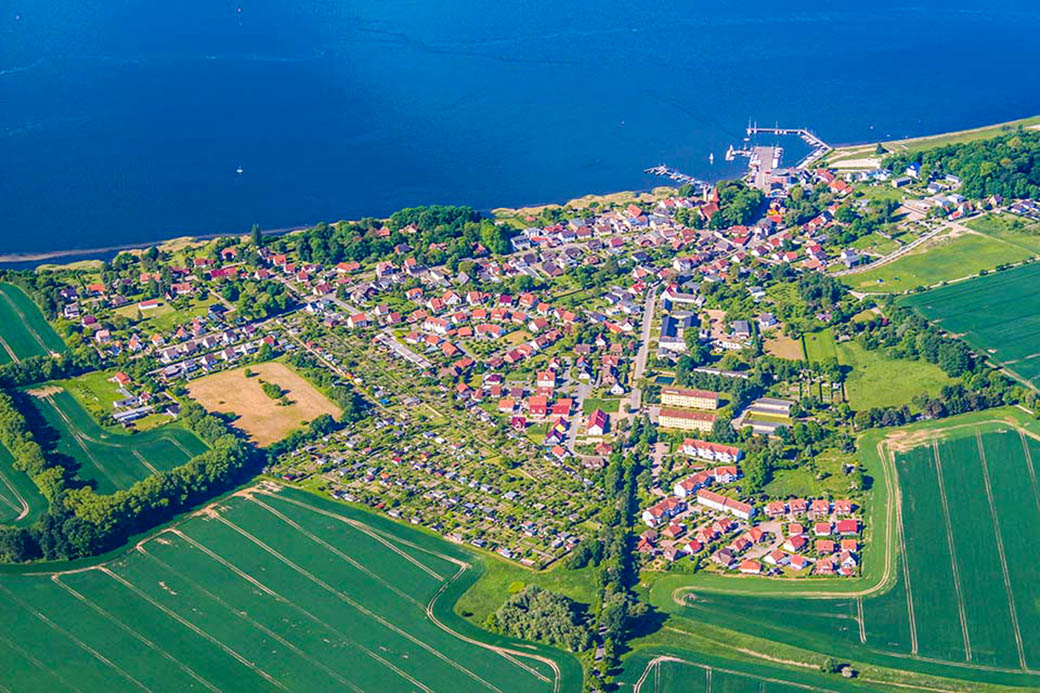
695,399
686,420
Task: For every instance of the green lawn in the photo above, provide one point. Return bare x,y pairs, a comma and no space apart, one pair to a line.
875,243
24,332
878,381
820,346
804,483
280,591
502,578
943,260
95,391
609,405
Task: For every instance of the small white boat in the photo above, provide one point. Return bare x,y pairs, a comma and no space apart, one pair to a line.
238,170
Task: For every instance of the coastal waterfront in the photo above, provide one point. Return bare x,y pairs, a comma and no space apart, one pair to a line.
117,136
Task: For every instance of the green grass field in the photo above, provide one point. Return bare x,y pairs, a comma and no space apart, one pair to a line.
609,405
960,137
503,578
1009,228
998,315
112,461
24,332
20,501
945,260
166,316
963,599
820,346
879,381
803,482
266,591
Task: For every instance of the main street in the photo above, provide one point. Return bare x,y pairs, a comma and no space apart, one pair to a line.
639,368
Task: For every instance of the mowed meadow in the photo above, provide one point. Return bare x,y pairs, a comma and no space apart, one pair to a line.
964,601
269,589
110,461
997,314
24,332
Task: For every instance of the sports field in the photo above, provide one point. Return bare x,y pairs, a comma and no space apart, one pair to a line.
24,332
998,315
112,461
263,419
20,501
271,589
963,599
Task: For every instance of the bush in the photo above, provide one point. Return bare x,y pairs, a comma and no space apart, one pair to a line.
537,614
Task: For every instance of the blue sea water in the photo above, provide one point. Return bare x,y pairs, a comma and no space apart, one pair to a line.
126,120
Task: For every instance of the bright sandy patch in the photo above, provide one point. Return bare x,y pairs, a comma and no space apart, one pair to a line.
857,163
784,347
259,416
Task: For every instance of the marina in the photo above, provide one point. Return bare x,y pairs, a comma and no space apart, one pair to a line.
819,147
763,160
678,176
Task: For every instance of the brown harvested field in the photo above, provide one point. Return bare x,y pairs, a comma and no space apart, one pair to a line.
259,416
784,347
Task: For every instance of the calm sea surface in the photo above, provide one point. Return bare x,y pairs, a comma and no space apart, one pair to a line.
124,121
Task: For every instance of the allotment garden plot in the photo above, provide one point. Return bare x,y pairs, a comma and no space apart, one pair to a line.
112,461
965,600
269,589
23,330
998,315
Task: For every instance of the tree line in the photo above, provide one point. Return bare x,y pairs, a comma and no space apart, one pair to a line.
1007,165
443,234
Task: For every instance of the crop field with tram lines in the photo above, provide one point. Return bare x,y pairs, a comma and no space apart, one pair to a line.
964,601
20,501
268,589
682,671
24,332
997,314
112,461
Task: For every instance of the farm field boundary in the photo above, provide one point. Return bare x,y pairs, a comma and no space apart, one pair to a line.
998,315
269,588
112,461
961,601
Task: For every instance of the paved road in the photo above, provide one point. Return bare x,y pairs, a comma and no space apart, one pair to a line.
584,388
635,398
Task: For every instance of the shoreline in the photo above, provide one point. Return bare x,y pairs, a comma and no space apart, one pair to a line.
29,259
81,254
